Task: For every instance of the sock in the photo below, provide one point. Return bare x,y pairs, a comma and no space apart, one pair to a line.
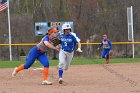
107,60
60,72
21,67
45,73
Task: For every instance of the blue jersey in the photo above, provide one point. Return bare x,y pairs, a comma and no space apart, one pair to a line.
68,42
106,44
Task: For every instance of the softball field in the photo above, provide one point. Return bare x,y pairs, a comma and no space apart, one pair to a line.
96,78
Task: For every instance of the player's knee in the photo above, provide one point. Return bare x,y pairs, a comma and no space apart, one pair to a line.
107,57
46,65
26,66
61,65
103,56
66,67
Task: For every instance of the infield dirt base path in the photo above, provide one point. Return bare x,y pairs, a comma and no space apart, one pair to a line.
112,78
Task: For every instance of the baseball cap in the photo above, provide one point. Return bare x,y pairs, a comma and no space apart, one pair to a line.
52,30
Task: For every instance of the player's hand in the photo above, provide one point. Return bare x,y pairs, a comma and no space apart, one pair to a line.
110,53
98,48
57,49
79,50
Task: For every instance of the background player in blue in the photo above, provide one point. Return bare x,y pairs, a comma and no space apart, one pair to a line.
68,44
107,48
39,52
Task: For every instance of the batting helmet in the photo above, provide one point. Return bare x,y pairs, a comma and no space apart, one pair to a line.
66,26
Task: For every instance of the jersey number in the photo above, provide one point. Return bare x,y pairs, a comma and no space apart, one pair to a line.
65,43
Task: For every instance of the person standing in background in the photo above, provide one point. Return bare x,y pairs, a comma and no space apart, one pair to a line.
107,48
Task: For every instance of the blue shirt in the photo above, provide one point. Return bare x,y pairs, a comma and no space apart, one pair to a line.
106,44
46,38
68,42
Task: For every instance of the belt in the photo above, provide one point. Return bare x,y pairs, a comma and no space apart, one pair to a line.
41,51
67,51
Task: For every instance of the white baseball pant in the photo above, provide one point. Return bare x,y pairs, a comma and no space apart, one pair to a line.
65,59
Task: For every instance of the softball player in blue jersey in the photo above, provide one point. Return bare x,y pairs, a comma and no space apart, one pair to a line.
107,48
39,52
68,44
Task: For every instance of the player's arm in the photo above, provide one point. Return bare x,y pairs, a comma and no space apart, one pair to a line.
110,44
49,45
79,45
78,42
100,46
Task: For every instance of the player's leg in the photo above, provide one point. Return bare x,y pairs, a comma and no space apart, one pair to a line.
45,62
69,57
107,57
104,52
68,60
33,53
62,59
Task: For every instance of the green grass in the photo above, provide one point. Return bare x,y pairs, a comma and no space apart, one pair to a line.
102,61
80,61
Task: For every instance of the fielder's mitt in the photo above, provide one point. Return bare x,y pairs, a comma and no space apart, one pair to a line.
110,53
55,39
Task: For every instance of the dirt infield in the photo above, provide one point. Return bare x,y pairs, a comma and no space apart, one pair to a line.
112,78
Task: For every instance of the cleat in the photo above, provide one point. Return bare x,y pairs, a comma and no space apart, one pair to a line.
60,81
45,82
14,72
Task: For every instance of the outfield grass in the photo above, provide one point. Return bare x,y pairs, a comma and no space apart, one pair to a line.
80,61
